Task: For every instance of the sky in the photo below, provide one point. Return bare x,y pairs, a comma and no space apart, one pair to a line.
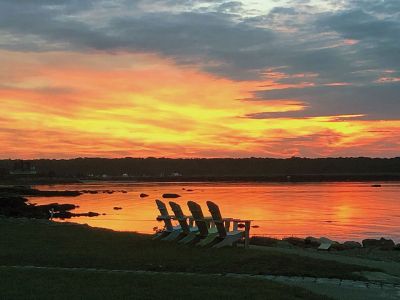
199,78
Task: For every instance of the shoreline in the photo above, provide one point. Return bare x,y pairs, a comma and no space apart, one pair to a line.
72,249
309,178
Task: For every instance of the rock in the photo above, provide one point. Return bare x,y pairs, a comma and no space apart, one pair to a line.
143,195
88,214
255,226
189,190
295,241
17,206
382,244
351,245
58,207
27,191
328,244
124,192
263,241
312,241
91,214
376,185
170,195
117,208
325,240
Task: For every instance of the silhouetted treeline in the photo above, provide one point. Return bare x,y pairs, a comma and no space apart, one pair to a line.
226,167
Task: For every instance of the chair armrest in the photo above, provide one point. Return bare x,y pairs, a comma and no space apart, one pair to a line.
165,217
227,219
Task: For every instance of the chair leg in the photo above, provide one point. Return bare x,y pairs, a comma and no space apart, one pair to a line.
188,239
160,235
228,241
208,240
172,236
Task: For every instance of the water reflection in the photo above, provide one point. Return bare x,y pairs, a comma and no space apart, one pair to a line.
337,210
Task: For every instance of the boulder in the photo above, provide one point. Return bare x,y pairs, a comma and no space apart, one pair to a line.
170,195
295,241
351,245
327,244
312,242
382,244
89,214
117,208
143,195
263,241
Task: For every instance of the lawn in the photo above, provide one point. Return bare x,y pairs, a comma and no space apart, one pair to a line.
55,284
26,242
33,243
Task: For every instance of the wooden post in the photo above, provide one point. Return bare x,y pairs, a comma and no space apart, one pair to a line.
247,234
235,225
227,225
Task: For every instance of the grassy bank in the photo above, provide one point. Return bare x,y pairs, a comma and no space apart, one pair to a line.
45,244
42,243
46,284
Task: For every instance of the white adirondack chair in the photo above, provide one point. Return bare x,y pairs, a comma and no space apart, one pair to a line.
225,236
189,232
170,232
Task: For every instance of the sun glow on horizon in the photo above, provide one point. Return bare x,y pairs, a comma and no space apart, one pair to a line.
66,104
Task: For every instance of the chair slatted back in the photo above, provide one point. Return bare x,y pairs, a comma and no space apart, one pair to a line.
217,218
165,215
198,217
176,208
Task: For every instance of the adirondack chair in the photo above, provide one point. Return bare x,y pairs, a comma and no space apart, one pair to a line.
170,232
227,237
189,232
207,232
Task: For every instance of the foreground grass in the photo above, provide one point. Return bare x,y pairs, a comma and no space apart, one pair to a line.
52,284
34,243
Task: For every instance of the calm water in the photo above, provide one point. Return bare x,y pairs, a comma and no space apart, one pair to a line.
341,211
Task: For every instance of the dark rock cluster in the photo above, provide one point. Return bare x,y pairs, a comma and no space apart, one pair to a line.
14,204
170,195
315,243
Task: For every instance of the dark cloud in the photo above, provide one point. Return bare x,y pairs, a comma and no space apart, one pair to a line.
375,102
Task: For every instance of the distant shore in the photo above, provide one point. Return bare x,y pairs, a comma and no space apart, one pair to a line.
38,180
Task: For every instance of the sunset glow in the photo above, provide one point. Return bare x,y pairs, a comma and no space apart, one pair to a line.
63,102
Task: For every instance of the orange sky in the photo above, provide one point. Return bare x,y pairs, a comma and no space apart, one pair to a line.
67,104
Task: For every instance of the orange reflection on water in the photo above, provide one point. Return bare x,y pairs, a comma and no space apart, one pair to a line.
337,210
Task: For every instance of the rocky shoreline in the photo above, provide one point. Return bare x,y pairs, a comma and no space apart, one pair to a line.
323,243
14,204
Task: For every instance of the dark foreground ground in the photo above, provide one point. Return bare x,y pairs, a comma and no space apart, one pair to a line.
41,243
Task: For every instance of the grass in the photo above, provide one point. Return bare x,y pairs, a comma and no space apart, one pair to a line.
52,284
38,244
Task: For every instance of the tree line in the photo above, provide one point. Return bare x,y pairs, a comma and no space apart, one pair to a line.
216,167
